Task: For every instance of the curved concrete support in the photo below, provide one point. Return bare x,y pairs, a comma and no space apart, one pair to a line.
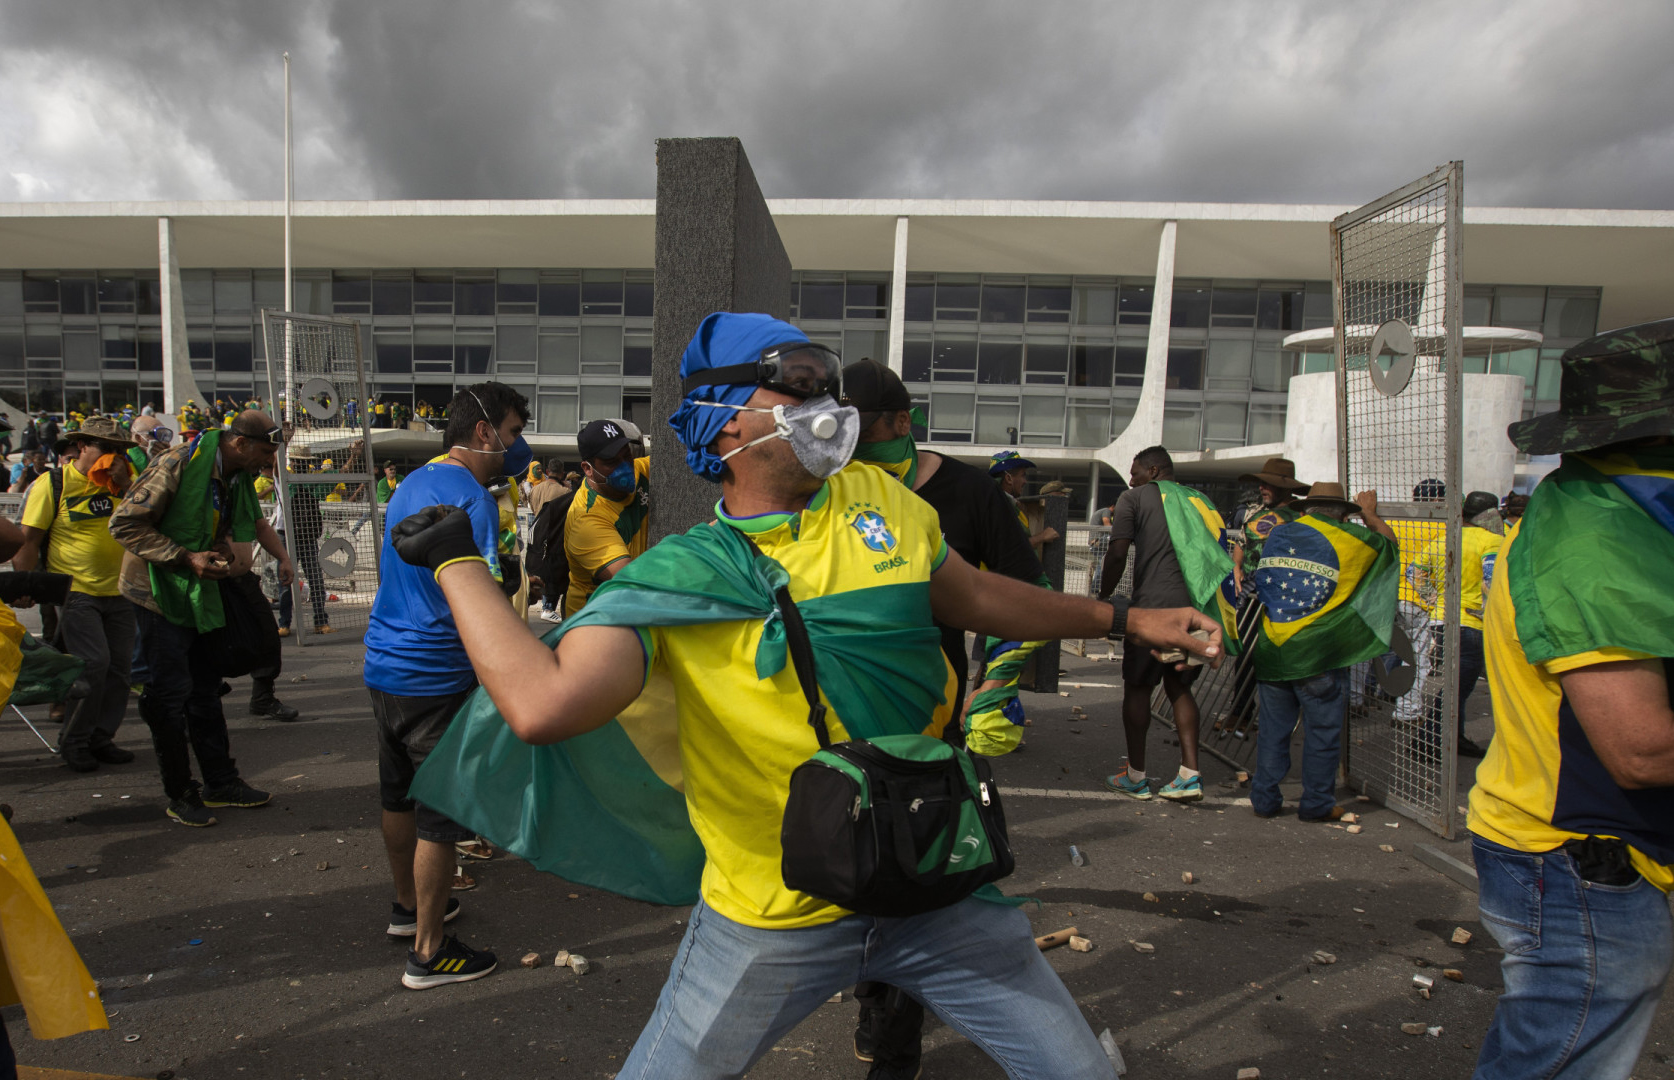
1146,425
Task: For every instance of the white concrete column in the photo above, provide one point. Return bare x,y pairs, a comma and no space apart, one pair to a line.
898,297
1092,490
1490,403
1311,425
178,383
1145,429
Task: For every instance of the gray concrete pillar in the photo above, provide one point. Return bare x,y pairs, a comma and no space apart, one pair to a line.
717,250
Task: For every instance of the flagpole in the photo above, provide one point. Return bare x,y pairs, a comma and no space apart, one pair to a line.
290,299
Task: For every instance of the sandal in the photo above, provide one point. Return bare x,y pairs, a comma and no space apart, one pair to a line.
463,882
474,849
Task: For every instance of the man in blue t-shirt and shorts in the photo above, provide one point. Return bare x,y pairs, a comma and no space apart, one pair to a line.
419,676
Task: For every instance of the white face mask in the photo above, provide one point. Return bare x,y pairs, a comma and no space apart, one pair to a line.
822,433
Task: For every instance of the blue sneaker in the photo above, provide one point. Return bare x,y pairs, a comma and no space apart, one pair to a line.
1182,790
1127,785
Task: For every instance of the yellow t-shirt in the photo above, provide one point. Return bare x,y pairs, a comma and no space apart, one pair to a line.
740,737
1539,769
1478,551
598,531
80,544
1413,538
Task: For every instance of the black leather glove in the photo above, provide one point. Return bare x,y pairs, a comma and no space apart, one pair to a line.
434,537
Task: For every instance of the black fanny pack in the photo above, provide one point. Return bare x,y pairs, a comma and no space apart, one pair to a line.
893,826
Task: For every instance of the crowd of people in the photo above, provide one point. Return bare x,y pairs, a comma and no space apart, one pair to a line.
838,542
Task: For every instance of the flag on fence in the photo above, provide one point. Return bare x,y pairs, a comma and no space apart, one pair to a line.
1329,588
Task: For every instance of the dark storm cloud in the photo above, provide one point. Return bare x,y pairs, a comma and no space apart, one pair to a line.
1550,104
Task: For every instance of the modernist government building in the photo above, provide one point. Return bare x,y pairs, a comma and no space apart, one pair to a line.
1078,332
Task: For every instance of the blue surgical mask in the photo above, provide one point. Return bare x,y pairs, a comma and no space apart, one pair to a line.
622,477
518,457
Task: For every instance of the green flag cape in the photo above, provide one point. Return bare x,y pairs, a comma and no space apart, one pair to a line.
606,808
1592,562
1195,528
1329,590
184,598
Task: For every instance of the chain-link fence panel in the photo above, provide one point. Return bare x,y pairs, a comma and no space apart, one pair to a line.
326,490
1396,266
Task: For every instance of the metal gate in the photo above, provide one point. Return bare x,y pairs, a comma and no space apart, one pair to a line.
327,480
1396,281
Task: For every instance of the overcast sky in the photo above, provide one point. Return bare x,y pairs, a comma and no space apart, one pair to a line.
1549,103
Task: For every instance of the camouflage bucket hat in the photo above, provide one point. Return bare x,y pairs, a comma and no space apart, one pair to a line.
1616,386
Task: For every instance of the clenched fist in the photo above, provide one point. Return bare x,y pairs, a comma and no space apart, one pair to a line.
434,537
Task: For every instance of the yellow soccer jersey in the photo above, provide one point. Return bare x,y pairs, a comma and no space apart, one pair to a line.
1539,769
740,736
598,531
80,543
1479,550
1414,538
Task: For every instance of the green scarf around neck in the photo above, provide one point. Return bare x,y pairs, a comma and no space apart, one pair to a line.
184,598
898,457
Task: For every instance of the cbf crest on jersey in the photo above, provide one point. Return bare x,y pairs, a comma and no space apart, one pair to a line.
874,531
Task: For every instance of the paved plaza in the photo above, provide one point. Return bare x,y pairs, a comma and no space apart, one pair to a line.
255,949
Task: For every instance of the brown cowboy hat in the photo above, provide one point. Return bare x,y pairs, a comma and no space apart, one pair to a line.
99,429
1278,472
1326,494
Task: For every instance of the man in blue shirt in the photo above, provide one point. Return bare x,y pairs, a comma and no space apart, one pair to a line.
419,676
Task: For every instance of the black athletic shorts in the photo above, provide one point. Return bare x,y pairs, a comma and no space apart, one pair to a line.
408,729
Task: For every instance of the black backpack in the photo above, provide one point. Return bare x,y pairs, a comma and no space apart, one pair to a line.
546,544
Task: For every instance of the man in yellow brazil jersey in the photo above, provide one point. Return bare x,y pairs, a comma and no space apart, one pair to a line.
609,521
867,565
1572,815
67,516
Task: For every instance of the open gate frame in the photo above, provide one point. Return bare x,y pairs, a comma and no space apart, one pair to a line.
1396,281
317,382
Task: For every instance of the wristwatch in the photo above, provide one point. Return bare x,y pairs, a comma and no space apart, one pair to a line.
1118,617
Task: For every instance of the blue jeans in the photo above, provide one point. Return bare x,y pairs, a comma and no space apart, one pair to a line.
1584,966
1319,703
735,990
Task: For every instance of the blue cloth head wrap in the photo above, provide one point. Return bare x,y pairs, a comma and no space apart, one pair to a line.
723,339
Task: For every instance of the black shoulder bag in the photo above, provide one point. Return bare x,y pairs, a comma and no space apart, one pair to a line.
893,826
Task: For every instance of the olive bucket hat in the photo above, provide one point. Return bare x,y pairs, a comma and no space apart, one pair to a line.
1616,386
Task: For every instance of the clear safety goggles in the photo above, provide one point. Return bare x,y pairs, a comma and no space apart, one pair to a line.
799,368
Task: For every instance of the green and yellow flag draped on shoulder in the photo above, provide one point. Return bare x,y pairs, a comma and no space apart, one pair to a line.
192,521
1595,556
607,808
1196,527
1329,589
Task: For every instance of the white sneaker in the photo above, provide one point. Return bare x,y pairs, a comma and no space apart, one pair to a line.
553,616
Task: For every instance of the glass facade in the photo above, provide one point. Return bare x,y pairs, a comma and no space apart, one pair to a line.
995,359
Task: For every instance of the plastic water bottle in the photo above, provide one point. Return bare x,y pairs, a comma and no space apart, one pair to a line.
1076,858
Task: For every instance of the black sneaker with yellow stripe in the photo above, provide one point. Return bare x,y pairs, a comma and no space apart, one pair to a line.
454,962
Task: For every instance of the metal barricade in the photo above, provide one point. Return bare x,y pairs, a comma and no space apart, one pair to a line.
326,485
1396,266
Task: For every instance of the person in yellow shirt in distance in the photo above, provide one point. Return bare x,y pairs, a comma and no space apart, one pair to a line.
609,521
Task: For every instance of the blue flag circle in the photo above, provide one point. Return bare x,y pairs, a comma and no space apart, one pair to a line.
1297,575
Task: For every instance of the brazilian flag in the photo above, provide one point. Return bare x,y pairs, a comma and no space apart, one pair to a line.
1590,568
608,808
1196,528
1329,588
